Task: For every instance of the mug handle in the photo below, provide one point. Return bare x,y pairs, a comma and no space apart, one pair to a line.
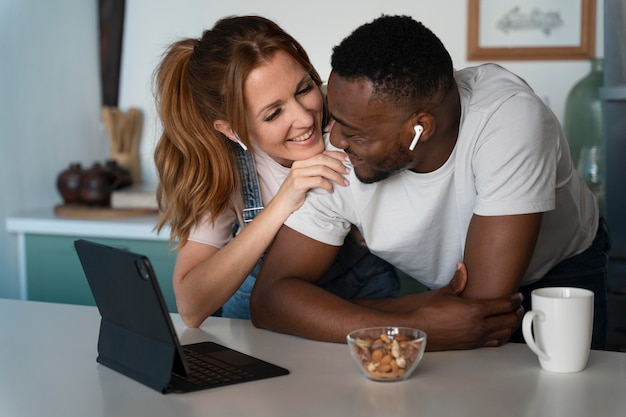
528,335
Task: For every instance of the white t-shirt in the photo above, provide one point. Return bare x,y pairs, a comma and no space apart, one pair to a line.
271,176
511,157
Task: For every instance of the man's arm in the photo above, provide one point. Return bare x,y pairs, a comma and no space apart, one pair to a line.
286,299
498,250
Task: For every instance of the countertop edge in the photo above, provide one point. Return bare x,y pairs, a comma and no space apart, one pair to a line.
134,227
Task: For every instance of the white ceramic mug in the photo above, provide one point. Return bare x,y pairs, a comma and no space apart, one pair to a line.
561,321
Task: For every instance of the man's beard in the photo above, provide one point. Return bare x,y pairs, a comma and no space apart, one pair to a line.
390,167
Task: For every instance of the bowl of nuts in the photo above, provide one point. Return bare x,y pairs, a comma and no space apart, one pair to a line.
387,353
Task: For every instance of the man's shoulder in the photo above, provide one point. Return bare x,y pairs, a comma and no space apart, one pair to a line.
486,87
490,77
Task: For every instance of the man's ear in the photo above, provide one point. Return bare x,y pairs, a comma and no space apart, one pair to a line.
427,121
224,127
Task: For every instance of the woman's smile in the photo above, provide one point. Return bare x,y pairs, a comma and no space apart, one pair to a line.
303,137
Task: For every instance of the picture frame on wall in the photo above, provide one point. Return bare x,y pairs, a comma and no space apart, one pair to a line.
531,29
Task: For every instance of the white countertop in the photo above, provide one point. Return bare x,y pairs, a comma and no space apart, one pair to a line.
48,363
45,222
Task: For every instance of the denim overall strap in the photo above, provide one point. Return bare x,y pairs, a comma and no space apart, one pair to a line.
238,306
250,189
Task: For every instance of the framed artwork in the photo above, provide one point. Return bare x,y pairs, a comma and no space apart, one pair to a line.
531,29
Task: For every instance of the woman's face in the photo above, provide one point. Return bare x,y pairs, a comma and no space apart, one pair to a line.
284,110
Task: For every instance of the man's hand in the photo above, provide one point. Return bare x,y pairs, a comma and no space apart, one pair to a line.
452,322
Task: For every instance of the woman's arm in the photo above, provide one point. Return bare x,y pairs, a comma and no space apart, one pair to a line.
205,277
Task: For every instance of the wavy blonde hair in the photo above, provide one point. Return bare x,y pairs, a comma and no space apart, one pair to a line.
197,82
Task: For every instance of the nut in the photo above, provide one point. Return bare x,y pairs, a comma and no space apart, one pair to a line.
377,355
386,358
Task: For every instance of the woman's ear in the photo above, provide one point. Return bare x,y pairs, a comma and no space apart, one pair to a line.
224,127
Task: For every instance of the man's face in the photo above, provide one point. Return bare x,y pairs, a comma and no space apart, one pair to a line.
373,134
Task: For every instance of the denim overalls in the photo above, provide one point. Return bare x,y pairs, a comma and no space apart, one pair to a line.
356,273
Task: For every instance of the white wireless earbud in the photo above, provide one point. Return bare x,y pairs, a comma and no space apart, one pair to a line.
243,146
418,132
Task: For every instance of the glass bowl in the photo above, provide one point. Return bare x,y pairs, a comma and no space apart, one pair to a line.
387,353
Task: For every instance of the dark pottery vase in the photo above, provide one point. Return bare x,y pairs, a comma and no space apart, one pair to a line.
96,186
121,176
68,183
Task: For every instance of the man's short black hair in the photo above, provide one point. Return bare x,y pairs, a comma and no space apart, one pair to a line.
403,59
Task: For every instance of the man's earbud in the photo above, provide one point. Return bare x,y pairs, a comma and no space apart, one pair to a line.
243,146
418,132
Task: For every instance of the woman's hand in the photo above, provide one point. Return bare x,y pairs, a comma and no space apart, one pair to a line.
319,171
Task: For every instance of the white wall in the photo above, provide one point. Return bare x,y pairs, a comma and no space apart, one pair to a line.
152,24
49,91
49,108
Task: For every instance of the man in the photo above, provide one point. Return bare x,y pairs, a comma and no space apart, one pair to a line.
448,167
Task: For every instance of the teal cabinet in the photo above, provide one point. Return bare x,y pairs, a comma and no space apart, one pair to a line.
54,272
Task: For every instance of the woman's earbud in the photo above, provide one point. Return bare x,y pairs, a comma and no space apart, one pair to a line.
418,132
243,145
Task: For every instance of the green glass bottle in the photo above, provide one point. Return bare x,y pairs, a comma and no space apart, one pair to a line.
585,131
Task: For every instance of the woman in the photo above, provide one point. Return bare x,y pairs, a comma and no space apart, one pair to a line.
245,88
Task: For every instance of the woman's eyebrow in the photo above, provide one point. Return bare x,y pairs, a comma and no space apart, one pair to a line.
304,80
267,106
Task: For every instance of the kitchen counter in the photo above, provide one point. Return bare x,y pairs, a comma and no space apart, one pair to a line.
63,379
45,222
49,269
